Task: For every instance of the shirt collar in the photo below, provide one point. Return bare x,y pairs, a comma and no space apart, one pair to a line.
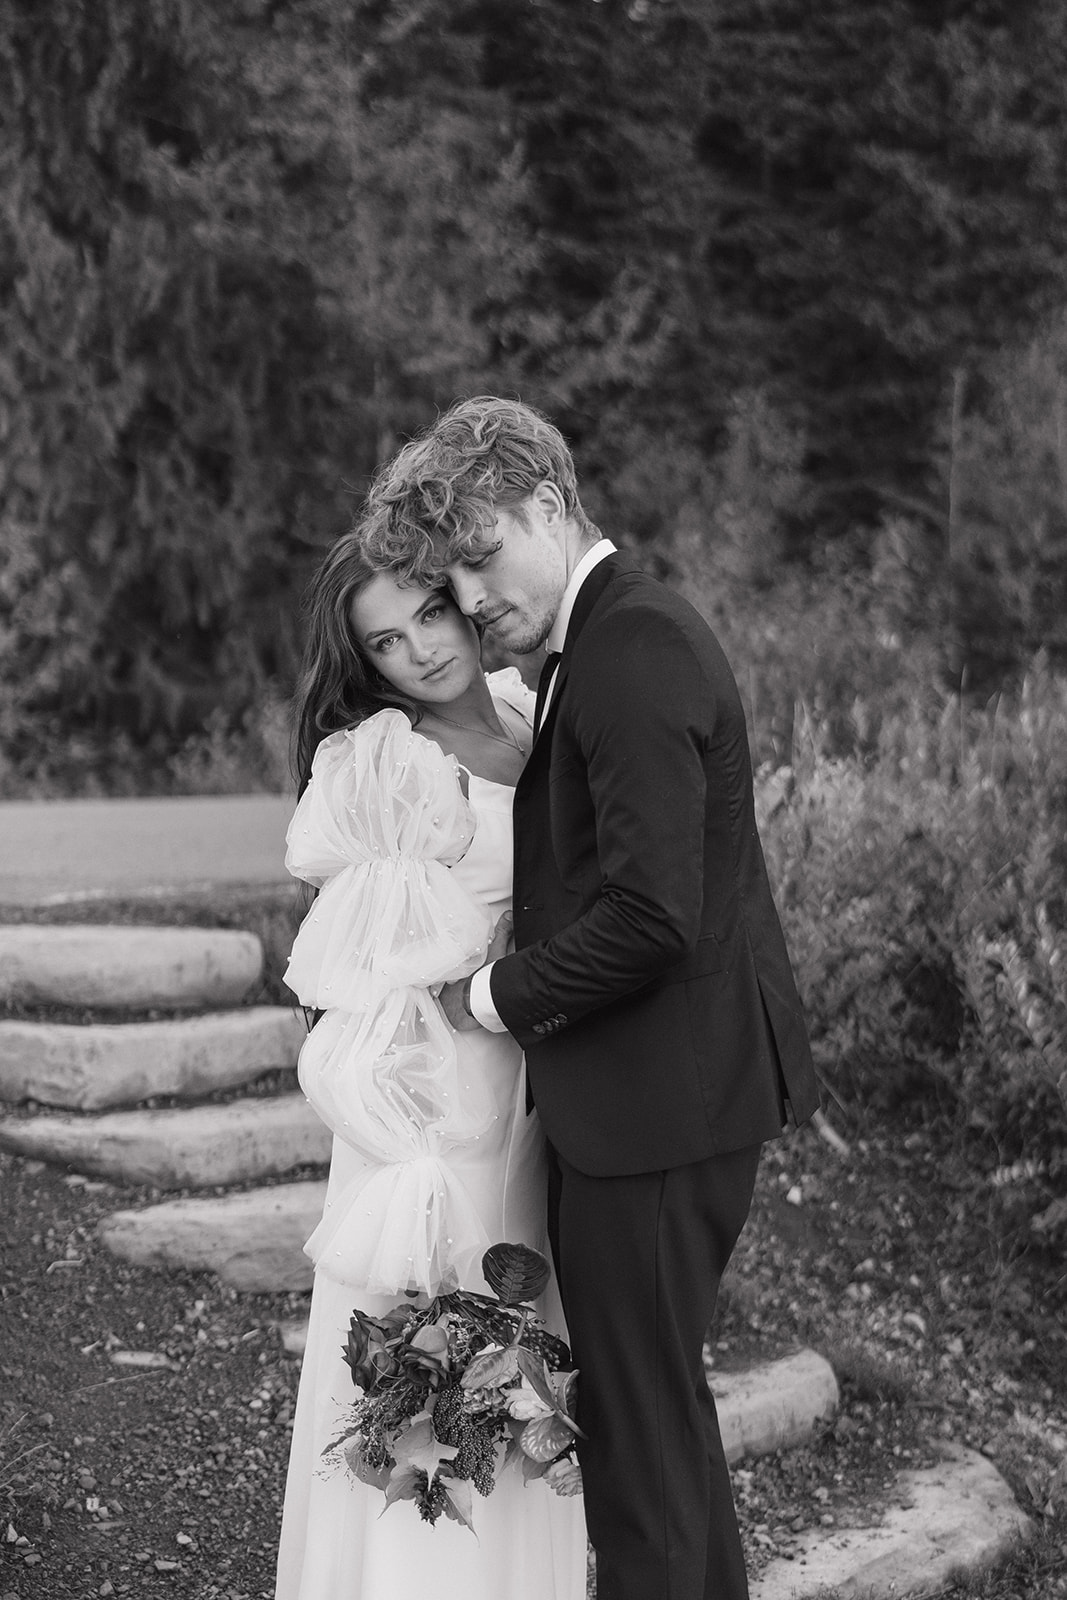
557,634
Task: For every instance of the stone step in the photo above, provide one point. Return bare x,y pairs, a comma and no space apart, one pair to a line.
82,964
197,1148
956,1517
774,1405
90,1066
252,1241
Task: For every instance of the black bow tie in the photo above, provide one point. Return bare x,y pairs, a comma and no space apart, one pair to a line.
551,663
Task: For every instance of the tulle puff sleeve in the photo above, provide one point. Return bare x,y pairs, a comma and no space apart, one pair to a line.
376,830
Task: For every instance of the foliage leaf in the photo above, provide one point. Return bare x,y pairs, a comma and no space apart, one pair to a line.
515,1272
491,1370
458,1499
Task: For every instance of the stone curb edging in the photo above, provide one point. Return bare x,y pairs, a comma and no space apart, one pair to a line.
253,1241
959,1515
775,1405
136,967
90,1066
194,1148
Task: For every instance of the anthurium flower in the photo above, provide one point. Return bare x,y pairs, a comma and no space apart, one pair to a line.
564,1476
491,1368
545,1437
525,1405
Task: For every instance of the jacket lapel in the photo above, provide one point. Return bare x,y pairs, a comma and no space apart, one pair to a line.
584,605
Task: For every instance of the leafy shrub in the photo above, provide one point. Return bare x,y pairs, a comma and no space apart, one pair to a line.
923,890
818,653
250,759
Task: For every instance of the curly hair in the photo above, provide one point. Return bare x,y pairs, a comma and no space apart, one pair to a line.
437,500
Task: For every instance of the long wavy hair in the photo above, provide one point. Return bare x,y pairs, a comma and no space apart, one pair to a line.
338,686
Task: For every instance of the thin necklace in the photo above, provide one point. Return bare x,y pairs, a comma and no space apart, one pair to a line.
506,738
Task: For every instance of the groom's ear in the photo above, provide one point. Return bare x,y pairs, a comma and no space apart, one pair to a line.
549,502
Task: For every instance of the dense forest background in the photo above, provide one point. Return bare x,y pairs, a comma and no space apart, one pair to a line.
792,279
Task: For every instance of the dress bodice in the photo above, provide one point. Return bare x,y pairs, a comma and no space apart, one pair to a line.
486,869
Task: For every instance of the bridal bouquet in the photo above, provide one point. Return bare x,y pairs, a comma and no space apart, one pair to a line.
456,1390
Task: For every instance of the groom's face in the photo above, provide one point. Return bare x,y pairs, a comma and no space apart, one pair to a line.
513,582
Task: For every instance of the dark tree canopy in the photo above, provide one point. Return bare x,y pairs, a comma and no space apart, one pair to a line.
888,203
744,253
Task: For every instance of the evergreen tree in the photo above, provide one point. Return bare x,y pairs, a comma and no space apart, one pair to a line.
596,315
167,384
887,201
224,282
1009,471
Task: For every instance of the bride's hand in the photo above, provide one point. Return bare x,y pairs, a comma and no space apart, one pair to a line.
500,943
453,997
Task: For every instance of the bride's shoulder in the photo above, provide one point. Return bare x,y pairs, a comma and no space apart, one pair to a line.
384,744
362,738
507,685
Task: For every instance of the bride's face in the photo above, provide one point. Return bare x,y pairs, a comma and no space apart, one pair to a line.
418,639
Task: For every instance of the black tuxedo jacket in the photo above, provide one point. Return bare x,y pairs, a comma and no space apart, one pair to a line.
650,988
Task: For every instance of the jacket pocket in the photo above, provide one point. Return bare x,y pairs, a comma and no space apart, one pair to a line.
706,958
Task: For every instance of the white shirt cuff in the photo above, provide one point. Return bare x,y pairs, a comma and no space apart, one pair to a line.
481,1001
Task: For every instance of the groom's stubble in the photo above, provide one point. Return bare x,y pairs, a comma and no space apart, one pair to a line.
513,587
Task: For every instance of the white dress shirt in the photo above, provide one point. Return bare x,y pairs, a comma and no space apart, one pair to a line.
481,998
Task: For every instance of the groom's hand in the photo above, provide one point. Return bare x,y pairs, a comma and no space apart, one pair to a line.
453,1002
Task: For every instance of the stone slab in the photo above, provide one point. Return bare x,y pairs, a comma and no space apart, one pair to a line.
197,1148
774,1405
956,1517
95,1065
252,1241
83,964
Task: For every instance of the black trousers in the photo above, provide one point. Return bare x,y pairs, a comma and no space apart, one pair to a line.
639,1261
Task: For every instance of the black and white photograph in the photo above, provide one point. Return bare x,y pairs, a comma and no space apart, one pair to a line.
533,800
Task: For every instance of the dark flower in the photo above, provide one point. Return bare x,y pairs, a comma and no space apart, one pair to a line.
424,1358
367,1354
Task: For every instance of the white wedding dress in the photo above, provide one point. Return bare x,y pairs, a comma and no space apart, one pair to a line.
434,1157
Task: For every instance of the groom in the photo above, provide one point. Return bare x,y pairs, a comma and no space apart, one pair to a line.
650,987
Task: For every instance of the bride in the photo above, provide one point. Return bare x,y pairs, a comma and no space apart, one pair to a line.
407,756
